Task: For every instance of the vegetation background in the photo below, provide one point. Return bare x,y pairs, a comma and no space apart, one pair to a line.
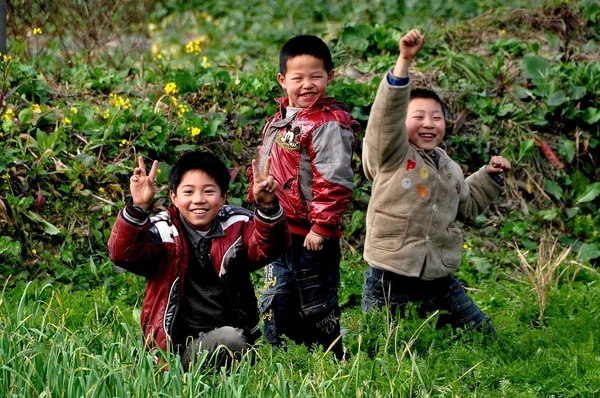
88,85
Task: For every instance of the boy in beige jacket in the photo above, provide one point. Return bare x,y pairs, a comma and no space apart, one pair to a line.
413,244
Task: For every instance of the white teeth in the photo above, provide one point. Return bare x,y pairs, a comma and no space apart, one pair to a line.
198,211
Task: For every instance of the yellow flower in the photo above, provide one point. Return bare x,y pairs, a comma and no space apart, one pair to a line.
159,56
106,114
174,100
502,32
9,114
7,58
205,62
171,88
6,177
37,31
74,110
120,102
158,171
33,251
67,120
182,109
101,190
36,108
194,131
193,47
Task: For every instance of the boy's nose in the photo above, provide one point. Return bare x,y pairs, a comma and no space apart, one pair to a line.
199,199
427,122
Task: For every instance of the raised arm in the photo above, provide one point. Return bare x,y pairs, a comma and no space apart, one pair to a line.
385,140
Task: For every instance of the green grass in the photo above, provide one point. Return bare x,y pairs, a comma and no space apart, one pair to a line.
76,112
63,343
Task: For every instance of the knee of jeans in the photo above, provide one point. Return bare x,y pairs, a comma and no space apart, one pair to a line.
320,307
329,324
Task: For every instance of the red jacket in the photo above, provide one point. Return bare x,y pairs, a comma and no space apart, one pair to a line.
311,159
156,249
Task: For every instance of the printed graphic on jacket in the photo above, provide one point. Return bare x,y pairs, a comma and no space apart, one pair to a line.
288,140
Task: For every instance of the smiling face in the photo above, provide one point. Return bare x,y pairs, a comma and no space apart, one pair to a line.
305,80
425,123
198,199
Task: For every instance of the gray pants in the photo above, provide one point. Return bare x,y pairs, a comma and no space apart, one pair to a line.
223,344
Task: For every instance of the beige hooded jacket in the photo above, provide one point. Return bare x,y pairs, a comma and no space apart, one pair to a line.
411,227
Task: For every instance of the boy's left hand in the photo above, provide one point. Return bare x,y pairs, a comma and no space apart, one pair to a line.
265,186
498,164
313,241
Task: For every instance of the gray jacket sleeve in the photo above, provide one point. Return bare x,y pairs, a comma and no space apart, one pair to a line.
386,140
479,191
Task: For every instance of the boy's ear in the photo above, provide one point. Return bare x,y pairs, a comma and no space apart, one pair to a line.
281,80
173,196
223,199
330,77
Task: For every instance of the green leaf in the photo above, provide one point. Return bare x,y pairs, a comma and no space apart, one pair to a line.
537,68
25,116
570,150
558,98
522,93
548,214
356,37
553,189
10,247
572,212
591,115
591,192
93,267
589,251
49,228
526,147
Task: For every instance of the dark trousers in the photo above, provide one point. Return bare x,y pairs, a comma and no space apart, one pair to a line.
384,288
300,299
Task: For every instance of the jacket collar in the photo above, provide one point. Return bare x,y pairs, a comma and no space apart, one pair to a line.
215,231
284,102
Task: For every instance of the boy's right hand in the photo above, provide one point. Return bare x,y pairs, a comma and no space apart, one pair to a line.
410,45
142,186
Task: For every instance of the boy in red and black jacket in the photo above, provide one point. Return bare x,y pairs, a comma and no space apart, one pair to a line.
197,255
310,140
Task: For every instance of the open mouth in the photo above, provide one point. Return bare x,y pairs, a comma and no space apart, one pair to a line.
199,211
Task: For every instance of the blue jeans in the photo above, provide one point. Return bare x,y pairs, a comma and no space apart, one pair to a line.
300,299
384,288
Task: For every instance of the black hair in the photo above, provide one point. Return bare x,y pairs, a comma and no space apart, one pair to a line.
204,161
429,94
305,45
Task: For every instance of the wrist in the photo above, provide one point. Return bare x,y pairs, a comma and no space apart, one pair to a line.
401,68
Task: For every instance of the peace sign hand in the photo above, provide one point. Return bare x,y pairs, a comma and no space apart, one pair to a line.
265,186
142,186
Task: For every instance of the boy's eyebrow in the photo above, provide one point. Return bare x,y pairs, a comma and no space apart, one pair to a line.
210,184
423,111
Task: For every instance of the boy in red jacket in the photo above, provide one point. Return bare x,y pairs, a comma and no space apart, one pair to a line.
311,139
197,255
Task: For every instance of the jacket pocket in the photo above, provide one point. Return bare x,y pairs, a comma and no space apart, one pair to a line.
295,198
388,230
452,250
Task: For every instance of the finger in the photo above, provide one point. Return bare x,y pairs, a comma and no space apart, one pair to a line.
141,165
255,172
153,171
267,168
